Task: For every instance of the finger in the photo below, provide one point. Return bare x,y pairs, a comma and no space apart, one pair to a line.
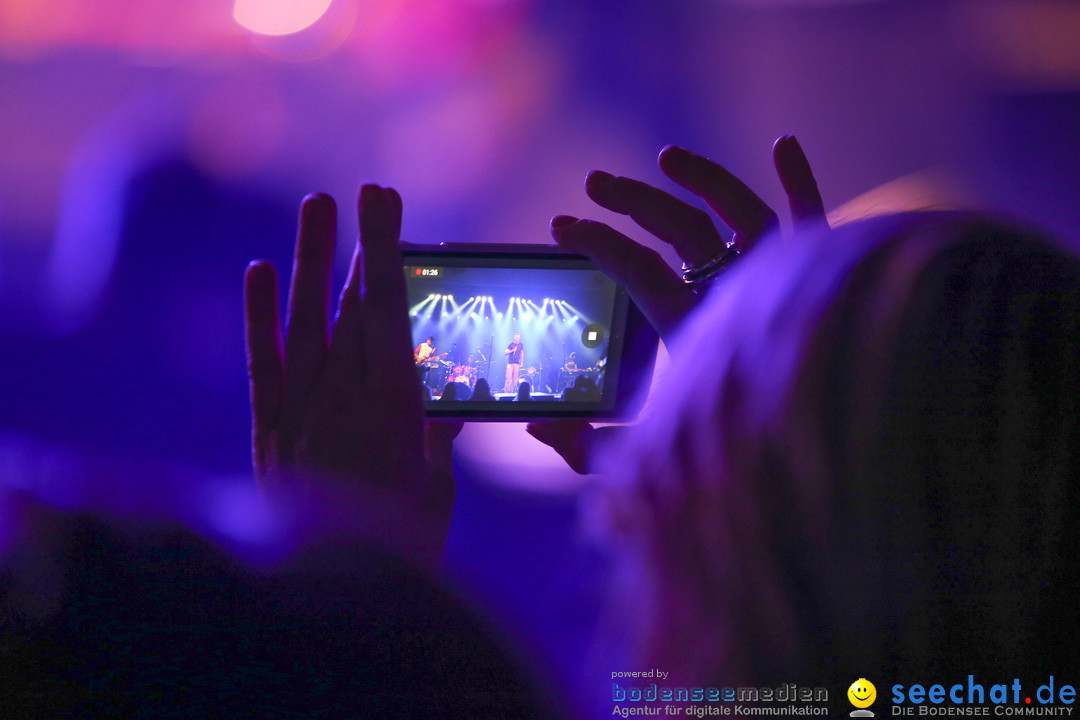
662,296
266,369
385,313
804,198
571,439
736,204
689,229
345,360
576,441
438,443
308,329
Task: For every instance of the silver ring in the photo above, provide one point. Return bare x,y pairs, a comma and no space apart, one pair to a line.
698,276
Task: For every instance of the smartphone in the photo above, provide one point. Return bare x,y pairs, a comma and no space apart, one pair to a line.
524,332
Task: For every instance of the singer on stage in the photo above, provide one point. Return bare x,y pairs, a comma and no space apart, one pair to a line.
515,356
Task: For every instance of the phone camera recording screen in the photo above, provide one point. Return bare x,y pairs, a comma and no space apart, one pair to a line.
515,335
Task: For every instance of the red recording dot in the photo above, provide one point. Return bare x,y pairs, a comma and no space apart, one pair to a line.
417,271
1027,700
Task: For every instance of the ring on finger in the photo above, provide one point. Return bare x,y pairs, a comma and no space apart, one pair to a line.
699,276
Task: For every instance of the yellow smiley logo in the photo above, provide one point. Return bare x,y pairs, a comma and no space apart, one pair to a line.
862,693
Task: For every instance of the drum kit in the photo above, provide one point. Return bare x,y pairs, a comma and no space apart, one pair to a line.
530,375
443,372
464,374
540,379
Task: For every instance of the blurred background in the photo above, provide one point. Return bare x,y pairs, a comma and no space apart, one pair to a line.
148,150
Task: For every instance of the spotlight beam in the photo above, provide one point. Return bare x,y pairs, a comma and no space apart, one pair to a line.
467,307
570,308
420,306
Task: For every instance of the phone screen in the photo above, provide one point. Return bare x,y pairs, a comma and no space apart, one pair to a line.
517,335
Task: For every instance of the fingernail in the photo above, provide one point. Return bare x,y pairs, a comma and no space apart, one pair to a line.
561,221
673,157
540,431
316,203
789,153
599,180
786,142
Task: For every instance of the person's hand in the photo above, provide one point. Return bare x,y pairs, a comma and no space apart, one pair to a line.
652,283
337,420
654,286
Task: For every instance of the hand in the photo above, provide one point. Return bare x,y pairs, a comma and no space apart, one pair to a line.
660,293
339,420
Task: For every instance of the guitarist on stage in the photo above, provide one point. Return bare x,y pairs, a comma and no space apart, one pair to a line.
424,350
421,354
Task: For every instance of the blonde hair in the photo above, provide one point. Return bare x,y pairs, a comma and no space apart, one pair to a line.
857,437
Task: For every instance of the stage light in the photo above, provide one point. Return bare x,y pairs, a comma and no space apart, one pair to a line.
423,304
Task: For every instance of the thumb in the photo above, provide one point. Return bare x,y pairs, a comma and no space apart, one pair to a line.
439,448
574,440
